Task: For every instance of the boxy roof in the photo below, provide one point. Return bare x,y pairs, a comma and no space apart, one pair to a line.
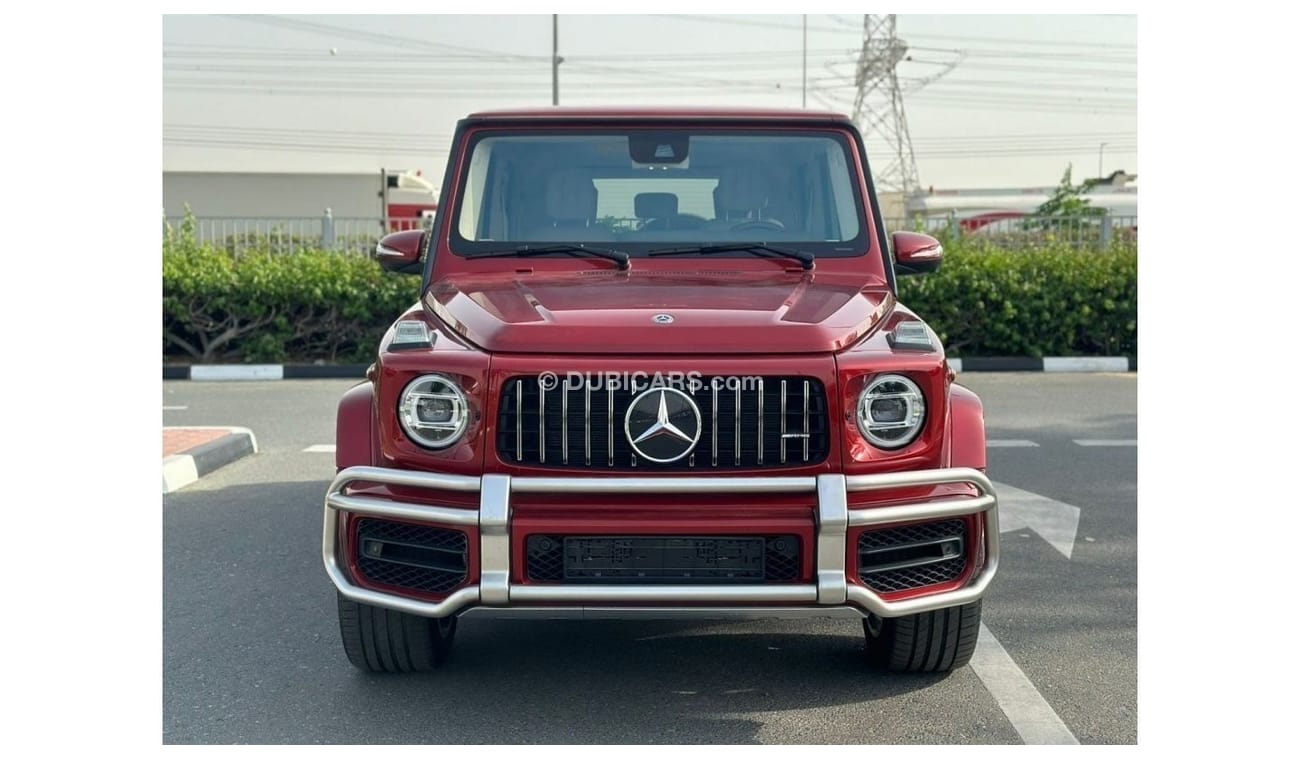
652,113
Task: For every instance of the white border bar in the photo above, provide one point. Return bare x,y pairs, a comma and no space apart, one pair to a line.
237,372
1085,364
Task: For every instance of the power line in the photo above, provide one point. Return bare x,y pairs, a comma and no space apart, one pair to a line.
380,38
1024,41
432,86
748,22
1064,70
1022,86
845,27
222,52
1089,148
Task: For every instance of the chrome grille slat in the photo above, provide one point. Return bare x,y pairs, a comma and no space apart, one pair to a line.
782,422
807,432
715,425
737,415
757,439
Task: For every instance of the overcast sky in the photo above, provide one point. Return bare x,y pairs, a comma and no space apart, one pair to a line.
991,101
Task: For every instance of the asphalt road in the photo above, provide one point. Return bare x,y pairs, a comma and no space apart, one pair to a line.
251,650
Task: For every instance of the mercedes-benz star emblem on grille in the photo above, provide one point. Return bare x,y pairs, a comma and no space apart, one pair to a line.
663,319
662,424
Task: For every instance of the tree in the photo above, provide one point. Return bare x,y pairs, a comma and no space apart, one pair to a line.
1067,202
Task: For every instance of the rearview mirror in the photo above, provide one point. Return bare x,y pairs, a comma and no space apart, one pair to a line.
401,251
915,253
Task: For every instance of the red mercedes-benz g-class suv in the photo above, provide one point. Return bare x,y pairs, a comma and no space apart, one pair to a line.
658,368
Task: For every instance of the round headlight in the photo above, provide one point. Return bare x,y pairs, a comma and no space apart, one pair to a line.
433,411
891,411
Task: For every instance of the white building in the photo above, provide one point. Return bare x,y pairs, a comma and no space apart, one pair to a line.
260,195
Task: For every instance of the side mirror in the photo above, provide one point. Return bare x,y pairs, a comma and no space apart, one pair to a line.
401,251
915,253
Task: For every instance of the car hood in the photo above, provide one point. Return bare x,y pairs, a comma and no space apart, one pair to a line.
659,312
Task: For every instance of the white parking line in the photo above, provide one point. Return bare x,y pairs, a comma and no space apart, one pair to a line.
1106,441
1007,443
320,448
175,408
1029,713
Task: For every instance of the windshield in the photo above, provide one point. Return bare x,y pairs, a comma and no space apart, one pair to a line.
637,190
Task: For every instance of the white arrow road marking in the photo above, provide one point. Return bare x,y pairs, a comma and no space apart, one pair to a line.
995,443
1025,708
320,448
1056,521
1106,441
175,408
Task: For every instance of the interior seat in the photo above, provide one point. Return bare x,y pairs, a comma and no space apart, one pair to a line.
571,210
742,195
658,211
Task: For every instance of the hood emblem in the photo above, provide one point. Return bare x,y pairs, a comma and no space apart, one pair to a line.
662,424
663,319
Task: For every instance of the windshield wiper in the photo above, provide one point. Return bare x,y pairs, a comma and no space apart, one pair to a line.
805,258
578,250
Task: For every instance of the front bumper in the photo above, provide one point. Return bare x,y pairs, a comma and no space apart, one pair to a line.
831,595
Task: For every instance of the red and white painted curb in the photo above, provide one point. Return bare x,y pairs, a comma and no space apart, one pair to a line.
212,448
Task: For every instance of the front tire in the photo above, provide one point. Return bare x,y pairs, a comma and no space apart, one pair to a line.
927,642
379,640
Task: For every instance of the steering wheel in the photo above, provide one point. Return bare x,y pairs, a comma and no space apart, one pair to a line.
759,224
675,222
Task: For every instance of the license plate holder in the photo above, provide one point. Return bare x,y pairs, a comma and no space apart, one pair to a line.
663,559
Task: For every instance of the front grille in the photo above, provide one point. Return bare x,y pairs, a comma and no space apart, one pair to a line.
778,421
912,556
408,556
552,559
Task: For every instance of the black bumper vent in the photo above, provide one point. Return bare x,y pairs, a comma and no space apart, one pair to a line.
576,428
416,557
913,556
663,559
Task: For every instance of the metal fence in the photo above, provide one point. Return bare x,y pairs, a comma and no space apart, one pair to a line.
359,234
283,234
1012,231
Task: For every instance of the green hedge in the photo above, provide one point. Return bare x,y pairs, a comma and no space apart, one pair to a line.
276,307
310,305
1048,301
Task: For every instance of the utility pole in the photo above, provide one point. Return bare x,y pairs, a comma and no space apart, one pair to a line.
555,59
805,60
1100,150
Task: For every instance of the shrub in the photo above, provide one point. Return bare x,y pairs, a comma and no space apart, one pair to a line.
259,306
1047,301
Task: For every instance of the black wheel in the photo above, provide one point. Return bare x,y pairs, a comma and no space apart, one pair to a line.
379,640
928,642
